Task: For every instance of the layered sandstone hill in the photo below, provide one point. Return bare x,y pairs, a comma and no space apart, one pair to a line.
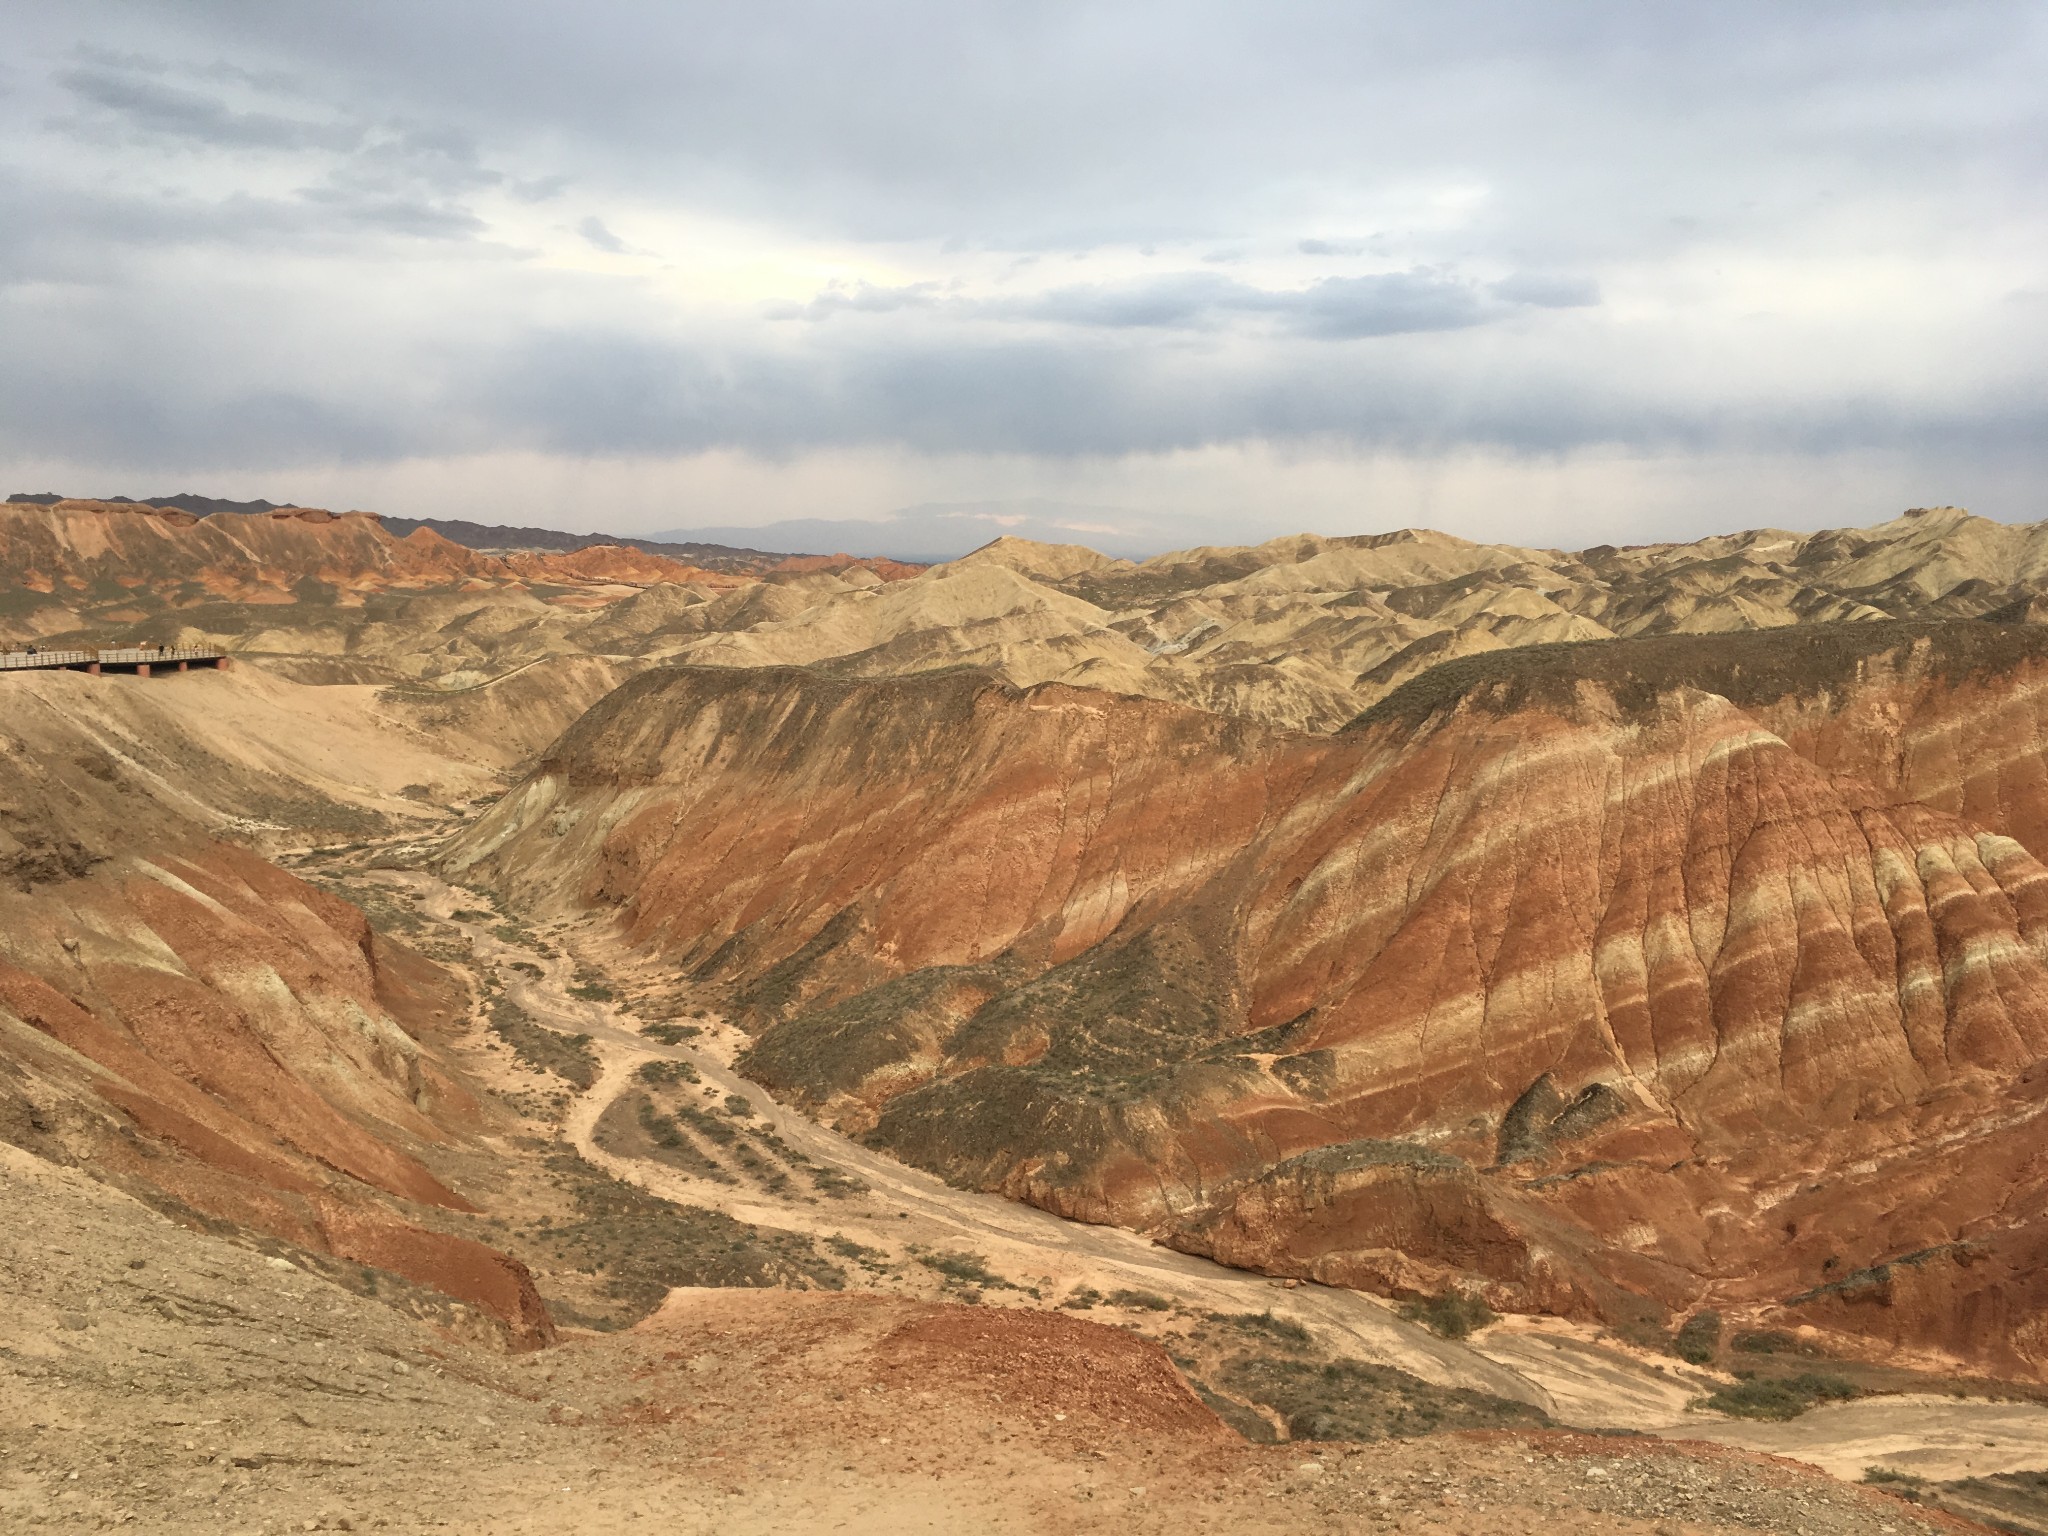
265,760
191,1022
1307,631
1620,979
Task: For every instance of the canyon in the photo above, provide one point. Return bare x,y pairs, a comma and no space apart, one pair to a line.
1569,978
563,954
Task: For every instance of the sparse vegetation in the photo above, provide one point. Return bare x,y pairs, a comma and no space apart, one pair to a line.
671,1145
721,1131
1783,1398
860,1253
568,1057
1082,1298
834,1184
1347,1400
640,1245
1772,1341
738,1104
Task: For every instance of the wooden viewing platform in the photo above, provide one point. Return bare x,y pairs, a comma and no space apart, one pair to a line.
141,660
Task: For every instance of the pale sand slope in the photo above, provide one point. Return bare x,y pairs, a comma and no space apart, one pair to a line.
248,752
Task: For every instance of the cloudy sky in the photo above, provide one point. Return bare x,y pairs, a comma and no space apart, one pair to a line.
1560,272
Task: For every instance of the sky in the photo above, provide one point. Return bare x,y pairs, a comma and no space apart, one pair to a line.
1563,273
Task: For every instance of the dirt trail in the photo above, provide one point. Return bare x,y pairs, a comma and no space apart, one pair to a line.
905,1206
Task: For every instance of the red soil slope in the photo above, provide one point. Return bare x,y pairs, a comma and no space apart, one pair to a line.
204,1028
616,564
1564,973
95,555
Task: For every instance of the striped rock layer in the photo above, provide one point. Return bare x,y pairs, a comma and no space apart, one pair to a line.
1617,980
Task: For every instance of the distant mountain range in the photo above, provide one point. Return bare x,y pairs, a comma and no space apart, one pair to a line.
926,534
488,538
934,532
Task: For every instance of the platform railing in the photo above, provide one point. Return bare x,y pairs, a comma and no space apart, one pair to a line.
107,656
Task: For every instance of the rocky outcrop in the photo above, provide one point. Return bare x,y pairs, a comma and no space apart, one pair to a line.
1616,979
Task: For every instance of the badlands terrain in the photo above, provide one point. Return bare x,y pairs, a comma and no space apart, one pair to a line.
1380,1033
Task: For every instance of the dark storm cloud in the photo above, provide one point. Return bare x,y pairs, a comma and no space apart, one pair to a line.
1335,309
1659,228
151,107
595,231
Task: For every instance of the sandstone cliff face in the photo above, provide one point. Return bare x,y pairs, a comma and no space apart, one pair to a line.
1618,982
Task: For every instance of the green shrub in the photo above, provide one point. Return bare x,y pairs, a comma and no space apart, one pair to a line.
967,1267
1452,1315
671,1034
570,1057
1699,1340
665,1074
1286,1330
1141,1301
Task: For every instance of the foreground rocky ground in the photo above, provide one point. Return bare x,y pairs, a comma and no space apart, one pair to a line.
163,1380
